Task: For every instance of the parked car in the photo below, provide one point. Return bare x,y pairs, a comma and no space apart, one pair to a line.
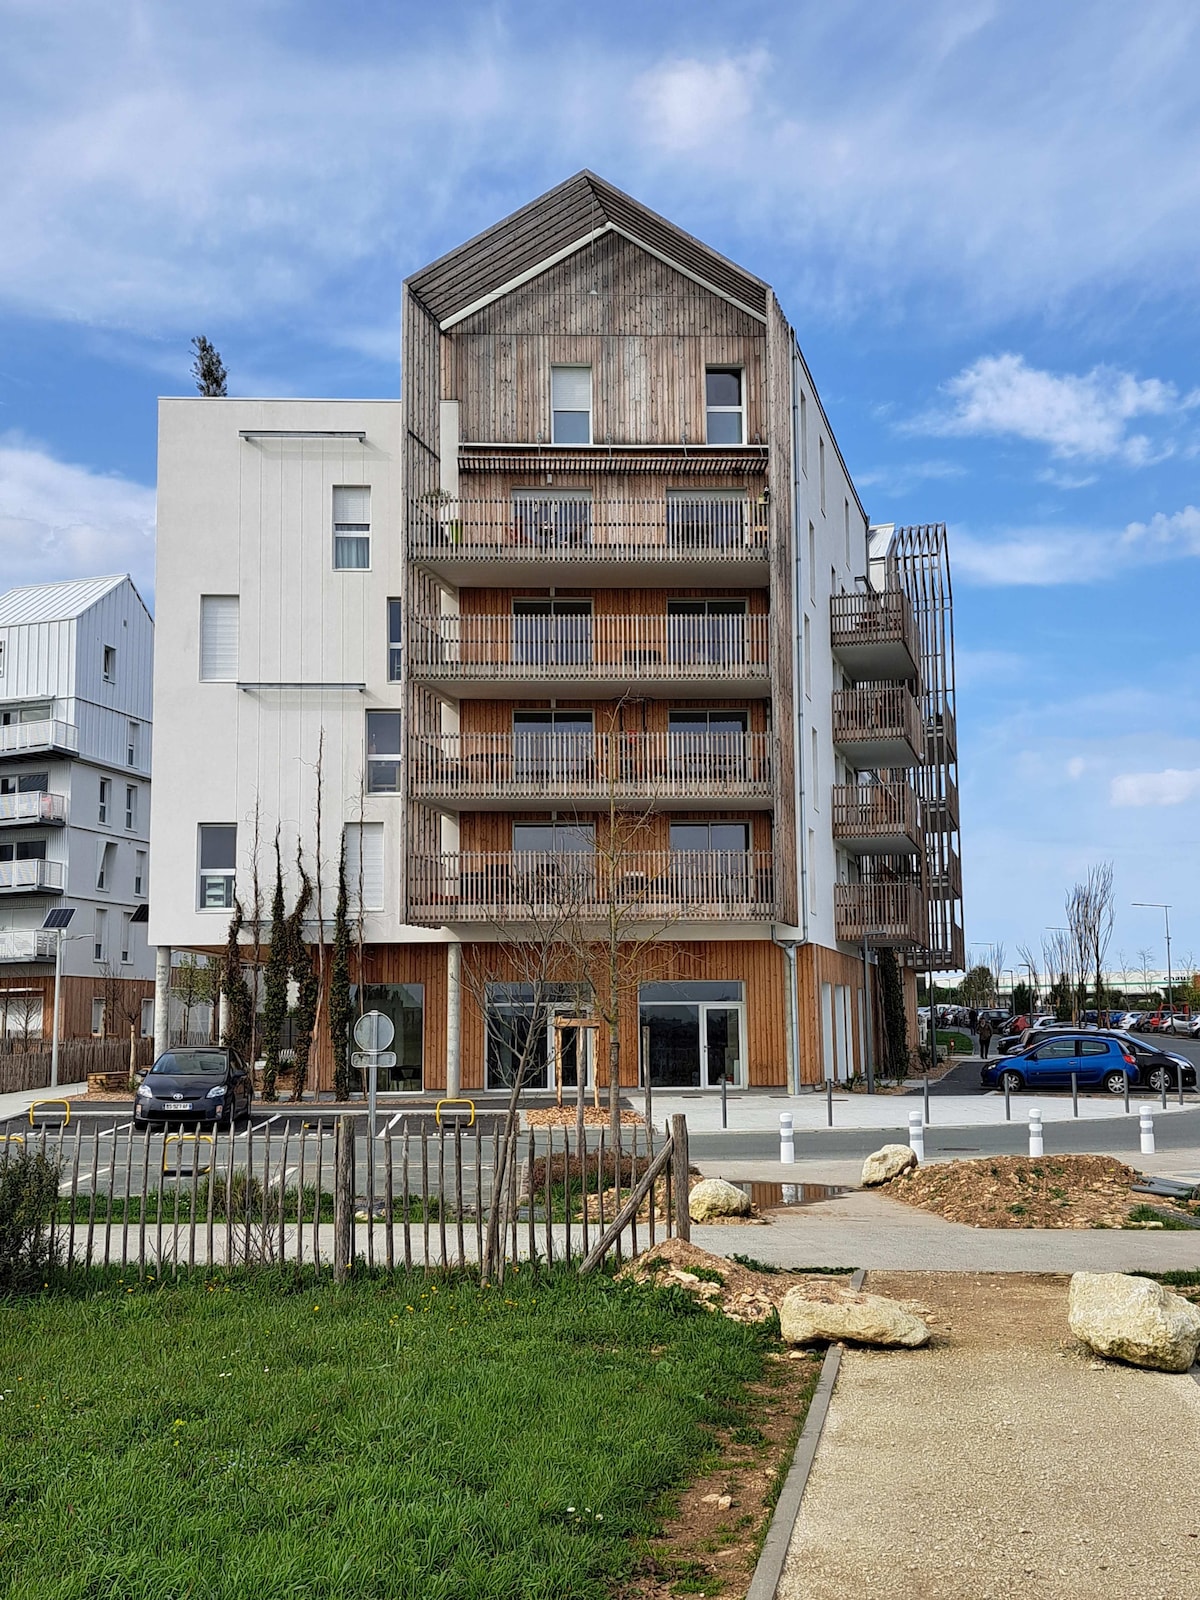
194,1085
1153,1064
1095,1058
1169,1022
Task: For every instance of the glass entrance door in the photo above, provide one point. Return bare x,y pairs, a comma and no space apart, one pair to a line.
722,1044
573,1046
693,1039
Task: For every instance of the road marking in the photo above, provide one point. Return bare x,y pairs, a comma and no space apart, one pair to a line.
399,1117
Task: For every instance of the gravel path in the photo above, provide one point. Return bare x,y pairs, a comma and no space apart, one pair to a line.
1001,1461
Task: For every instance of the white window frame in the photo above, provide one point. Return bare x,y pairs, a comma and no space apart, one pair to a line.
98,1016
373,888
106,867
131,806
738,411
108,663
220,638
126,937
572,411
100,935
133,738
372,756
206,874
344,530
147,1031
395,642
139,872
105,797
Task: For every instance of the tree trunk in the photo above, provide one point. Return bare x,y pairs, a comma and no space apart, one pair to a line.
614,1084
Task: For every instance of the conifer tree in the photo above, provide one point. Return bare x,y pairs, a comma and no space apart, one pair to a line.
208,369
275,982
340,1007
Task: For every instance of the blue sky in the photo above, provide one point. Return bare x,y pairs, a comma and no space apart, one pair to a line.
982,219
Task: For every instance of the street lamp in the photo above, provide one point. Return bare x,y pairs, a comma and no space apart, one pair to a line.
1032,989
57,921
1158,905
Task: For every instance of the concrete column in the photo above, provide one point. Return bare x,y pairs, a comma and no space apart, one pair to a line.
223,1018
162,998
454,1019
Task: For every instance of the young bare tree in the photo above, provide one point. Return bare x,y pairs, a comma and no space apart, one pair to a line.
1090,916
1030,962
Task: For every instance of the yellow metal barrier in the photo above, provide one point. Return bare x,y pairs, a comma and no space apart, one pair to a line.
12,1138
455,1101
66,1104
185,1138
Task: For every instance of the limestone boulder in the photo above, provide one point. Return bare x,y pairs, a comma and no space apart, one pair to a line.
812,1315
1134,1320
882,1165
713,1197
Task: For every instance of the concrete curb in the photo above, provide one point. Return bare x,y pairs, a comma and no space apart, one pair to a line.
769,1570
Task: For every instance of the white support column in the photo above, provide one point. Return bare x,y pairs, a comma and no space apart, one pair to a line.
162,998
223,1018
453,1019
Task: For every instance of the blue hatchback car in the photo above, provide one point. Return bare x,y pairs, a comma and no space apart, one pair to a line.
1097,1062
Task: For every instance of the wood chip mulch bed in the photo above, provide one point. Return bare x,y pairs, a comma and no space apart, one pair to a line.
567,1117
1026,1192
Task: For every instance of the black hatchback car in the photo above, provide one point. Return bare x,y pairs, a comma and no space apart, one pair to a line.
194,1085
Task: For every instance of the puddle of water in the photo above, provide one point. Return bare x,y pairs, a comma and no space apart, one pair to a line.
769,1196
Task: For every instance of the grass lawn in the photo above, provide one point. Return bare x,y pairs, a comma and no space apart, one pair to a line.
395,1438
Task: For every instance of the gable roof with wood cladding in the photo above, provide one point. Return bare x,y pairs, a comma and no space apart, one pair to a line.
556,225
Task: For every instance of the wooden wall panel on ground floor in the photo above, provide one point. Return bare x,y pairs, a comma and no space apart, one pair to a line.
817,965
76,997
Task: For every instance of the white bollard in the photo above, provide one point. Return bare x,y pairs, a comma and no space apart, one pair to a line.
1146,1130
787,1139
1036,1147
916,1135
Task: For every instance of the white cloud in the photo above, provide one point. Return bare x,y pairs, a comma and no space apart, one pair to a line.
1168,788
59,520
1078,417
905,476
1026,557
1076,767
688,106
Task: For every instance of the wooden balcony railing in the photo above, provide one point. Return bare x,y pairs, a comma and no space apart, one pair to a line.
548,766
875,634
941,810
25,808
880,913
31,877
49,734
878,718
571,526
26,944
668,649
516,886
880,818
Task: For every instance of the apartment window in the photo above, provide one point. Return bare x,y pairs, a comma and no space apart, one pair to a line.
41,712
99,940
812,870
804,433
219,638
552,519
571,405
98,1016
383,752
139,873
131,806
364,865
718,519
1,658
132,741
352,527
723,418
147,1019
24,850
821,471
25,783
395,621
218,859
812,562
706,632
105,797
554,838
126,936
846,527
553,746
106,867
552,633
815,771
808,658
110,663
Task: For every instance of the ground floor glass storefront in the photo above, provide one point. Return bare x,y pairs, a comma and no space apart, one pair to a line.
520,1027
404,1003
692,1034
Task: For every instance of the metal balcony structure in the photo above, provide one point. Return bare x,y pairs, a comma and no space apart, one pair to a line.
877,819
31,877
941,808
18,809
36,738
874,635
26,944
494,771
506,887
941,736
718,538
892,914
593,655
877,725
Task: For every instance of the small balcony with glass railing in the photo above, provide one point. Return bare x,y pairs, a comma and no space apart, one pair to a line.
35,730
717,536
19,810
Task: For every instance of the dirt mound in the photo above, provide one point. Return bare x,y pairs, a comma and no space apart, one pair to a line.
1023,1191
724,1285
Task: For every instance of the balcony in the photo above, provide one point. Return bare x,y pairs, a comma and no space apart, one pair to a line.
614,541
877,726
877,819
881,913
35,738
593,655
22,944
945,878
31,877
658,885
941,737
16,809
494,771
941,810
874,636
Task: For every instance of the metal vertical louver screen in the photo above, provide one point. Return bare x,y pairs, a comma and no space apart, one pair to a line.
219,637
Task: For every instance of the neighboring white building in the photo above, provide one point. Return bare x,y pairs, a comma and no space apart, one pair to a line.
76,664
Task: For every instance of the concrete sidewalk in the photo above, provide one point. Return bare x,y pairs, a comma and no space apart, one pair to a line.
15,1106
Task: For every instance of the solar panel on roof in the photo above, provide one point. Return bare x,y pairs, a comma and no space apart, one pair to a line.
60,917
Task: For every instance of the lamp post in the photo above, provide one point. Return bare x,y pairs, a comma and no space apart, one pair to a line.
1032,990
867,1018
57,921
1165,908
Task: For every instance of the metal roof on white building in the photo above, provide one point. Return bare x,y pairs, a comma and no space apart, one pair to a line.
55,602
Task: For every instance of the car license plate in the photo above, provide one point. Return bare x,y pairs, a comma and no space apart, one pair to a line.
186,1107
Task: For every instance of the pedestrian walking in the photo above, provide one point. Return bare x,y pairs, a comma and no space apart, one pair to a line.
985,1035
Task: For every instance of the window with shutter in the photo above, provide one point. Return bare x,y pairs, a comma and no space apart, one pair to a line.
218,638
364,865
571,405
352,527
